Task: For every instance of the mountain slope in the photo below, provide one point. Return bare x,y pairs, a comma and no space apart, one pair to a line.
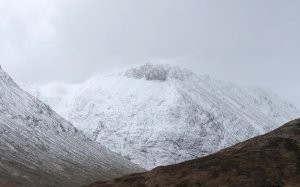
40,148
157,114
269,160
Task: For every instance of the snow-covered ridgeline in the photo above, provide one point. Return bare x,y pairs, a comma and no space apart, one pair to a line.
40,148
157,114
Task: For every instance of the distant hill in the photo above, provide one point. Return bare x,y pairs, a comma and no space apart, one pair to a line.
271,160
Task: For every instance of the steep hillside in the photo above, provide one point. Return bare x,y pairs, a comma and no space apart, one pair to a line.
40,148
157,114
269,160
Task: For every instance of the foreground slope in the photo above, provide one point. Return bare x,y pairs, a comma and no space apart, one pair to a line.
39,148
157,114
271,160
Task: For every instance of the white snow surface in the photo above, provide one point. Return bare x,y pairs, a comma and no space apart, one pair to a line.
40,148
158,114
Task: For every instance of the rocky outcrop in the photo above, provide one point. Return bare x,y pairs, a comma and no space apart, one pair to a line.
149,72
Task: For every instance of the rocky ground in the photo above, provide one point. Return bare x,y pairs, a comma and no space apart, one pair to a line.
271,160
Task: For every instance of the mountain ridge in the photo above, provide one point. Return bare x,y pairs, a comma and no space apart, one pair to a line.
158,114
39,148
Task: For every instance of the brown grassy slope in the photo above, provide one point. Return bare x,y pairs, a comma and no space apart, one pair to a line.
271,160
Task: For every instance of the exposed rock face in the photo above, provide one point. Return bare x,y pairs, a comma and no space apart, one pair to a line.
157,72
175,115
38,148
271,160
148,71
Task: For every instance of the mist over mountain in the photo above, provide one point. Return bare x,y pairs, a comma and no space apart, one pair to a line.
151,93
158,114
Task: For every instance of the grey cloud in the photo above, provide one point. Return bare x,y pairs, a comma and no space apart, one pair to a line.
252,42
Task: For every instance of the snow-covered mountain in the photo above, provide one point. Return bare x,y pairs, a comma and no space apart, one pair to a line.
40,148
157,114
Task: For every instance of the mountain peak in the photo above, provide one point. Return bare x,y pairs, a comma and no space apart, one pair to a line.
149,71
144,113
157,71
6,80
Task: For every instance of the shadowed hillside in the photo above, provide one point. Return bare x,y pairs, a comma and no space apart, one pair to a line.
271,160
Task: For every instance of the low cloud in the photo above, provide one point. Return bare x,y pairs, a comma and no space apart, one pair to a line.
252,42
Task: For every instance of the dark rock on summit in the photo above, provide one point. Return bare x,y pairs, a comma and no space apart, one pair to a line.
149,71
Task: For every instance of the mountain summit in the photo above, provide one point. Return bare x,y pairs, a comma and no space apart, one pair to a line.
40,148
162,72
158,114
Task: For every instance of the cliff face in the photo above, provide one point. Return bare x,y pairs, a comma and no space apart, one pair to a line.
269,160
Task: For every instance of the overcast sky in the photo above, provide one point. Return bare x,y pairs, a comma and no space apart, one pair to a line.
251,42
